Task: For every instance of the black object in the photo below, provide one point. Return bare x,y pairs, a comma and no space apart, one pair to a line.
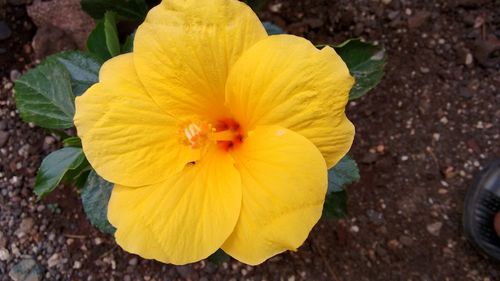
482,203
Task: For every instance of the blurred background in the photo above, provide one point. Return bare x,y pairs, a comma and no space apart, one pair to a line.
422,134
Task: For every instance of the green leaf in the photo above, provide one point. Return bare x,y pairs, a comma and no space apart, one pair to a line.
55,166
44,96
125,9
95,198
72,142
58,133
74,176
335,205
218,257
82,178
272,29
128,46
111,32
344,173
256,5
103,40
96,43
83,69
366,63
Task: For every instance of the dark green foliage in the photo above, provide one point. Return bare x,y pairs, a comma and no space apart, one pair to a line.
95,198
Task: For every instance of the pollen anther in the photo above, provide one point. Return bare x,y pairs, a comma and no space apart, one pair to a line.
226,134
195,133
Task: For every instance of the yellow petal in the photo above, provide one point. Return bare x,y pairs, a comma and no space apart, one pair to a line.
284,80
284,181
126,136
139,239
185,49
184,219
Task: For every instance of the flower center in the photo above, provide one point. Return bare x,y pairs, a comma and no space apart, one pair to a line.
226,133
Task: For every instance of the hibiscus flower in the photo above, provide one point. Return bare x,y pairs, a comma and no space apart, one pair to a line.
215,134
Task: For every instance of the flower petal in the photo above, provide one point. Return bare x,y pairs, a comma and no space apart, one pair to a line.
284,181
185,49
184,219
284,80
126,137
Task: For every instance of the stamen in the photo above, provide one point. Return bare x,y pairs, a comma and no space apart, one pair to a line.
226,135
188,134
194,129
195,134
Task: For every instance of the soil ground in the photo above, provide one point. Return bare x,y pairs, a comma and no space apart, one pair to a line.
421,136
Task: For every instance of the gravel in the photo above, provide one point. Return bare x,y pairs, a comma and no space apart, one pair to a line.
404,216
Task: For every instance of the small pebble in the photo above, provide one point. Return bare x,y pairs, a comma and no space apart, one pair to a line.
393,244
406,241
3,240
133,261
355,228
4,137
25,227
4,254
53,260
26,269
435,228
14,75
380,148
468,59
275,8
425,70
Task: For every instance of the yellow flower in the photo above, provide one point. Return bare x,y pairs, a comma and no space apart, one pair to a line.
215,134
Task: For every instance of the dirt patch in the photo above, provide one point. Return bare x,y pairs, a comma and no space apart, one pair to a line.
421,136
